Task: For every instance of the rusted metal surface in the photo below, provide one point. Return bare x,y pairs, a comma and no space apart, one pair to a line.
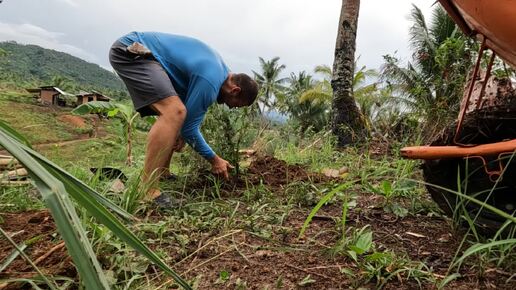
467,97
495,172
436,152
494,23
494,20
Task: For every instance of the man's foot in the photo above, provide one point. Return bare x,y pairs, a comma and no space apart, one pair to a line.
163,201
169,177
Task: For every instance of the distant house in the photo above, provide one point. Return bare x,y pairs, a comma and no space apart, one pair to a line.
84,97
50,95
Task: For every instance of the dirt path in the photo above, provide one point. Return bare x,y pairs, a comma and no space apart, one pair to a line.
55,144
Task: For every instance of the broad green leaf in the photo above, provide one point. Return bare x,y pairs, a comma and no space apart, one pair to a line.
364,243
15,135
387,187
353,255
112,113
94,107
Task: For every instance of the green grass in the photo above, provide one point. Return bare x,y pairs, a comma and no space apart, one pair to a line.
208,217
17,199
38,124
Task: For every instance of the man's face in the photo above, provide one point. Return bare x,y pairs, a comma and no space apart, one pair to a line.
234,101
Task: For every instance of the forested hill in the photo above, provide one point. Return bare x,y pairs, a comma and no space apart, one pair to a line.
32,62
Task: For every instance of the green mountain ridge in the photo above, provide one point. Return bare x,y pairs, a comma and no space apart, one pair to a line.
32,63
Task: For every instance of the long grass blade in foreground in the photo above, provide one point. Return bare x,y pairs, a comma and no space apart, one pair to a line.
74,184
37,164
11,132
19,250
63,211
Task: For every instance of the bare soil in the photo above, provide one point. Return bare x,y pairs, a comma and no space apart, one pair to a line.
38,229
281,260
76,121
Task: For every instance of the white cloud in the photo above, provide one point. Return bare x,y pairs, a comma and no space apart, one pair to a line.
72,3
301,32
31,34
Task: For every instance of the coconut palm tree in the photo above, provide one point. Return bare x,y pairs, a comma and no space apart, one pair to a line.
366,94
432,82
348,126
270,82
305,104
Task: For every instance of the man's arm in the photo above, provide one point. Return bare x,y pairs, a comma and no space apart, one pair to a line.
200,96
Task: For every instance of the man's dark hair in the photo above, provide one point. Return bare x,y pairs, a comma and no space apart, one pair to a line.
248,87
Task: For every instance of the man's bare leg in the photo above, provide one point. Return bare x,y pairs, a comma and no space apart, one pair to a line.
161,140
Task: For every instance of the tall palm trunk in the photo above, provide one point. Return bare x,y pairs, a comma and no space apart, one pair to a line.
348,125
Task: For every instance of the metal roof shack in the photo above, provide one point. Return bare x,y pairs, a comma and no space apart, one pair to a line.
50,95
85,97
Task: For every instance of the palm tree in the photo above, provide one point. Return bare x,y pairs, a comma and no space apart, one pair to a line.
348,126
432,83
270,82
367,95
308,101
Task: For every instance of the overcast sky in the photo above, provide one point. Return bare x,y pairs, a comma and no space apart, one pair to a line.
301,32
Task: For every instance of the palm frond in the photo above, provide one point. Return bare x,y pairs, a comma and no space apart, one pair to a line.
442,26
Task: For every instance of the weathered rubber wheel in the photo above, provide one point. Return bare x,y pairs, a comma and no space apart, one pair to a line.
468,175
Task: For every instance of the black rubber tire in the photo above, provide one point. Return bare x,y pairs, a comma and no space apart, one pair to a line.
480,127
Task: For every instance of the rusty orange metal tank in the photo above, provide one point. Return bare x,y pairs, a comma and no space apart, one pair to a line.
493,19
477,158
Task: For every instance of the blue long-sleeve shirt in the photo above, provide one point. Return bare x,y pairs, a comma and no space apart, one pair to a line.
197,73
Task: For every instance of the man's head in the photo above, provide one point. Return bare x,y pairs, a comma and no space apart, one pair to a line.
238,90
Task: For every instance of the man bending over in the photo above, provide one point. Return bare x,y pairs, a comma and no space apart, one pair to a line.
176,78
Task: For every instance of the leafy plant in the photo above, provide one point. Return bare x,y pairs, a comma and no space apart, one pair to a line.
124,112
361,244
229,130
431,85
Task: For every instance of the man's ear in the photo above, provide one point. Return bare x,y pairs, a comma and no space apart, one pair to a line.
235,90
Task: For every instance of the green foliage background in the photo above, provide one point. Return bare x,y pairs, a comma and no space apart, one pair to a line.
31,63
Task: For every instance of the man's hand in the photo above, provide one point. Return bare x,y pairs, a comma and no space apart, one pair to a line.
179,145
220,167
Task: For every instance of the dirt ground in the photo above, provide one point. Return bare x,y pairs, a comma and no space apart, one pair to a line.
38,230
281,260
76,121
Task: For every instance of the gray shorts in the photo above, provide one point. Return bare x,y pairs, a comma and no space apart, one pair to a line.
144,77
